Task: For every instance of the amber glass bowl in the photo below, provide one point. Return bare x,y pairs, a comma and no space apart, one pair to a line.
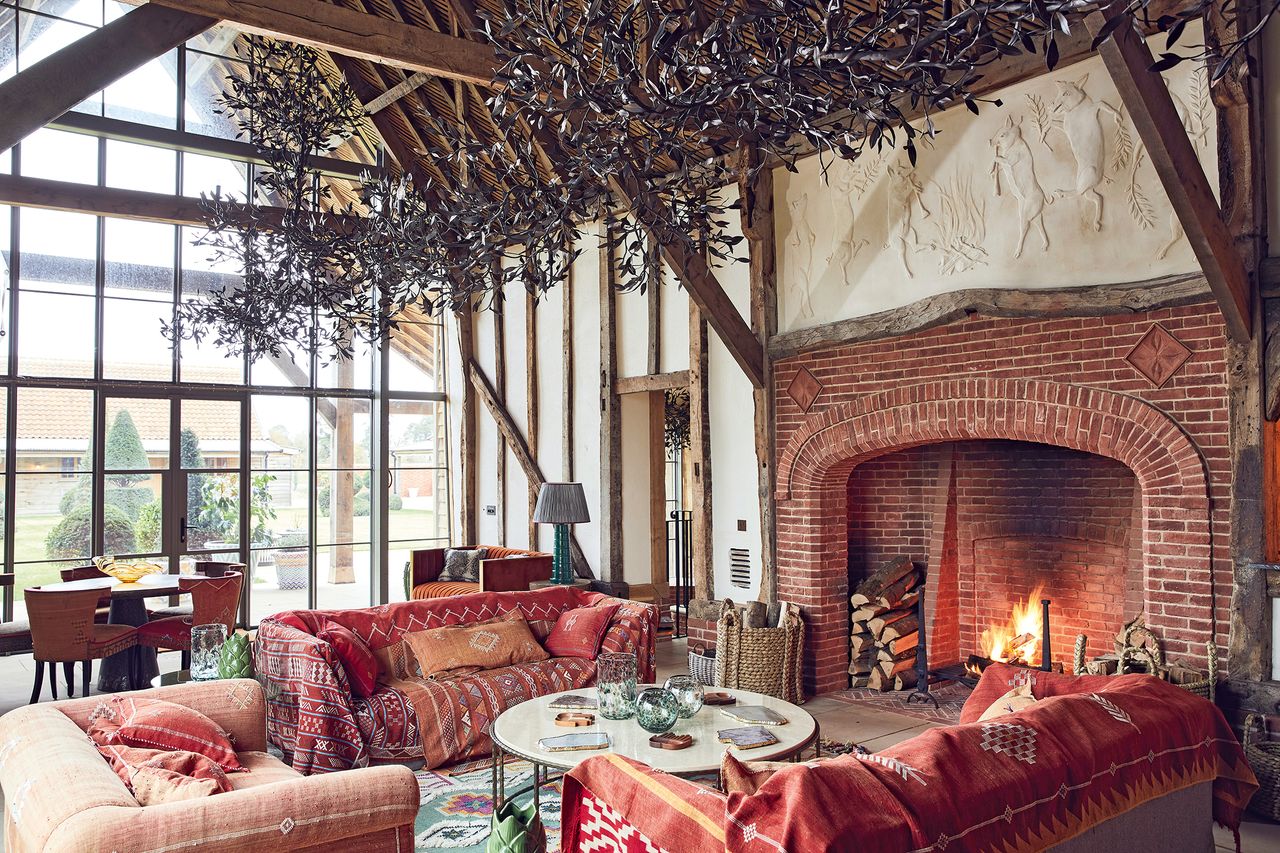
129,571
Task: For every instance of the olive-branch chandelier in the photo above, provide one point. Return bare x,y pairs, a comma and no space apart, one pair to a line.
632,101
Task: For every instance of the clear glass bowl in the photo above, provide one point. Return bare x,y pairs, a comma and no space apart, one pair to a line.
616,685
688,692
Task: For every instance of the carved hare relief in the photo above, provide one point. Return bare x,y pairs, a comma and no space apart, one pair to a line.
1016,165
1079,117
905,195
801,241
849,185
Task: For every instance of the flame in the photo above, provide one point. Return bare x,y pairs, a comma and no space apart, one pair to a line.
1019,640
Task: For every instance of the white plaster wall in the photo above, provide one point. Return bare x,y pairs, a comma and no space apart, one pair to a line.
878,234
550,352
454,382
633,333
636,549
486,438
1271,105
674,310
733,461
586,391
517,397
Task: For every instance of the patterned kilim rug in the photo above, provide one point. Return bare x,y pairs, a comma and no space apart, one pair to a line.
456,807
950,695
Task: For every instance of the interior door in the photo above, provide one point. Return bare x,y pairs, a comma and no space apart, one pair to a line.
208,516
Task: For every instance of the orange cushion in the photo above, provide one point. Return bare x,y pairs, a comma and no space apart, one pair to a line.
578,632
499,643
443,589
155,724
177,775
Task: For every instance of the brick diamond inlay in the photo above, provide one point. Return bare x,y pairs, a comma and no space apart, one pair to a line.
804,389
1158,355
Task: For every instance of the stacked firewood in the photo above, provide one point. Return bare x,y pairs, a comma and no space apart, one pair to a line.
886,630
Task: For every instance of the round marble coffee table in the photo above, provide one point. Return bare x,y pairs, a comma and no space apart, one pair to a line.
518,730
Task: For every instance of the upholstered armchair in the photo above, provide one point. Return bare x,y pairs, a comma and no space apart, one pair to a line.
502,570
61,796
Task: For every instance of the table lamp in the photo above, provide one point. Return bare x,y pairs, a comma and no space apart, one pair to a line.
561,504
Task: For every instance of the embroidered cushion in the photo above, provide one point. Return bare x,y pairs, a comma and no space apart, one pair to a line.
578,632
160,725
462,565
1015,700
178,775
500,643
360,664
128,761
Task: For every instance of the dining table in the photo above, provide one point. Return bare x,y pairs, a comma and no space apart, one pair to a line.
134,668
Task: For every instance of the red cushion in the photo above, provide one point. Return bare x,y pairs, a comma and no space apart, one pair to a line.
127,760
998,678
159,725
578,632
357,660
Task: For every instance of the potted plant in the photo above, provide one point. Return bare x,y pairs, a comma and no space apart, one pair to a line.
293,563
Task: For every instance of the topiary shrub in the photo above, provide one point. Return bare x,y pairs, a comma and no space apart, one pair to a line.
395,503
147,529
70,537
129,501
360,506
72,499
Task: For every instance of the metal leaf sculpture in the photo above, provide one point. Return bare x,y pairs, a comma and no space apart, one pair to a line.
643,109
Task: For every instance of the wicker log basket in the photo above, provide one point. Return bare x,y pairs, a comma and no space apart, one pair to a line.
763,660
1152,660
1264,757
702,666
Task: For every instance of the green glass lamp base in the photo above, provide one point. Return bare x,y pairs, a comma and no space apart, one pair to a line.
562,564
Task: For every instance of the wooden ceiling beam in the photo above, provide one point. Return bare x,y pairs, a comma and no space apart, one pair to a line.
1145,95
117,203
338,29
396,92
55,84
703,287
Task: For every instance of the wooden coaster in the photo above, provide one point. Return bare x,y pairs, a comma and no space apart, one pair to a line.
718,698
573,719
670,741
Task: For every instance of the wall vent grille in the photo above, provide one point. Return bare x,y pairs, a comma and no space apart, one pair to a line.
740,567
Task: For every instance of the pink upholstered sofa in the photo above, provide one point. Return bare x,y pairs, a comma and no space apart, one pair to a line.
315,719
61,796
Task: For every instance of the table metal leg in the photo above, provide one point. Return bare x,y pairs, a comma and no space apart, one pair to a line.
537,784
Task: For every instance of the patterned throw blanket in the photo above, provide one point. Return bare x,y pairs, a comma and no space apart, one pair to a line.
1094,748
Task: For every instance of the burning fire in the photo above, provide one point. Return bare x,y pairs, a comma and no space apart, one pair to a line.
1019,640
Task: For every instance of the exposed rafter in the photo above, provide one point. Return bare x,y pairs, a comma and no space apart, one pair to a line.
396,92
341,30
117,203
1147,98
704,290
55,84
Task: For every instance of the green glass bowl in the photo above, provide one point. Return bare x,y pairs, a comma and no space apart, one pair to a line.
657,710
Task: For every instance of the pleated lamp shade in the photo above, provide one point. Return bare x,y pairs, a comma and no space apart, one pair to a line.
561,503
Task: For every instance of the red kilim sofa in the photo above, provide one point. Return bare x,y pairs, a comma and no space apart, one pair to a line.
1099,763
315,720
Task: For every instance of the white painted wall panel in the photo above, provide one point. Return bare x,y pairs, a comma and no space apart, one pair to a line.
674,310
517,396
551,411
633,333
635,489
586,391
733,462
455,380
486,438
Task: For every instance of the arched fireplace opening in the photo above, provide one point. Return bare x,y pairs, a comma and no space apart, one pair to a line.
999,524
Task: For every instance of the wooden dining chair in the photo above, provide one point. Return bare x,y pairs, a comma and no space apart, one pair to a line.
213,600
63,631
15,635
82,573
202,568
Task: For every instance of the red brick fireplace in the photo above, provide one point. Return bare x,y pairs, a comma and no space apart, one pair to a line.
1088,454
